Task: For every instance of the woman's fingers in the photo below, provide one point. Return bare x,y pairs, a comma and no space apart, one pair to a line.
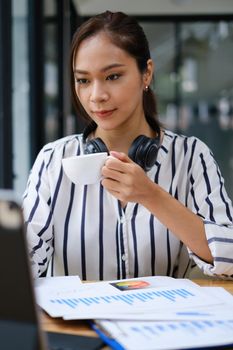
119,163
123,178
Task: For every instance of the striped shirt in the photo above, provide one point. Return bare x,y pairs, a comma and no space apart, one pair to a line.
83,230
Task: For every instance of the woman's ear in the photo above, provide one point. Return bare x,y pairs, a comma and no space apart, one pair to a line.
148,74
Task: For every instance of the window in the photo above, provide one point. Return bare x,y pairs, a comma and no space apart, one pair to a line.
194,82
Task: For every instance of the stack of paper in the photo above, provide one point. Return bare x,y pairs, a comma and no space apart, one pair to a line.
144,313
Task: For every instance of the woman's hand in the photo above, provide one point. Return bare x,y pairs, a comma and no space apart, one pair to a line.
128,182
125,179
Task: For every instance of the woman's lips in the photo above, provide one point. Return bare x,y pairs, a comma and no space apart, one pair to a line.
104,113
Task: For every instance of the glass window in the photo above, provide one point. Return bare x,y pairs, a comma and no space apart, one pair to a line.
51,83
21,146
194,83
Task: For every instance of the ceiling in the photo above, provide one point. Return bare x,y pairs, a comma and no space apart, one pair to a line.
155,7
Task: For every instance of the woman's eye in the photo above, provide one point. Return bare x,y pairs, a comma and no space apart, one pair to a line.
81,81
113,77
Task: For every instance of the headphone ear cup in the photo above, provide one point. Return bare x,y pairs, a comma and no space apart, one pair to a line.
95,146
143,151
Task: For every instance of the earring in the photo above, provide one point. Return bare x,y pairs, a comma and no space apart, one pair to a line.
146,88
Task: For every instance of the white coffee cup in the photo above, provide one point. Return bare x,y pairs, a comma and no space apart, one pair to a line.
84,169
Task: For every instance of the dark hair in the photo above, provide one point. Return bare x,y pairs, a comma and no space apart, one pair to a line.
125,32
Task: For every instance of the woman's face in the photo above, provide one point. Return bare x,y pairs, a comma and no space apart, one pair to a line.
108,83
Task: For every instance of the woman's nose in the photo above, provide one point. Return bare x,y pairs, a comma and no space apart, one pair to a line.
98,93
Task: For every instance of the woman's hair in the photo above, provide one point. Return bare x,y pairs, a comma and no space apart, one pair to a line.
124,32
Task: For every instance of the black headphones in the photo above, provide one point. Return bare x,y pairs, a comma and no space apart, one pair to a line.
143,150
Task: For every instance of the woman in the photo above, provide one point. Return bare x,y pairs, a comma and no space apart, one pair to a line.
161,204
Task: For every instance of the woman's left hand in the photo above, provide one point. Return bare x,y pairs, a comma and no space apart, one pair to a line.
125,179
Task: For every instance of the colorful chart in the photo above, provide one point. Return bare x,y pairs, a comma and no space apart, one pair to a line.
129,285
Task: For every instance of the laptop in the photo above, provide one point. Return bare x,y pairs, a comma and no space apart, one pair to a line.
19,319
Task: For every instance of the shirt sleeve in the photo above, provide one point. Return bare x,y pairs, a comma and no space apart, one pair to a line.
208,199
38,214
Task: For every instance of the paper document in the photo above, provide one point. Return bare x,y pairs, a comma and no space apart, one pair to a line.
137,335
134,296
147,313
60,284
223,311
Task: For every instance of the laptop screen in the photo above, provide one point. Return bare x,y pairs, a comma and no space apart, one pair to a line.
19,327
19,323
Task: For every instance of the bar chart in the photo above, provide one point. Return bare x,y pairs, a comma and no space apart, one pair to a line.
130,298
99,300
170,334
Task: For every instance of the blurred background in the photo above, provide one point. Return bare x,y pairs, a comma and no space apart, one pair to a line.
191,44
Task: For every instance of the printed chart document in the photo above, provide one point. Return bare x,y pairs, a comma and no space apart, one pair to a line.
146,313
223,310
151,335
111,299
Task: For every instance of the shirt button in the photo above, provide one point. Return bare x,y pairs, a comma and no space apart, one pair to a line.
122,219
123,257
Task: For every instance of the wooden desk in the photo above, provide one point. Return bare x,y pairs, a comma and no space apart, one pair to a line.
228,285
80,327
